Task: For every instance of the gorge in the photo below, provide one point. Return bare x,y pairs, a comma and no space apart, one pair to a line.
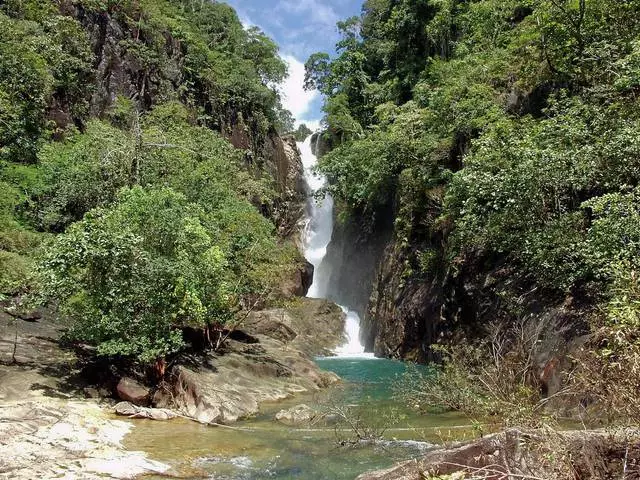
452,254
318,233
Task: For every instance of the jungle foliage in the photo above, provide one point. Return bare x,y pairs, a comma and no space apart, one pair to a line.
135,215
497,129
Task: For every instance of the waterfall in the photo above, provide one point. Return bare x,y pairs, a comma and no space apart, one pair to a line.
317,235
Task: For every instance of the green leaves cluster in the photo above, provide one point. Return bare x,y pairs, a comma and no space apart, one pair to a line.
159,233
128,277
497,125
43,56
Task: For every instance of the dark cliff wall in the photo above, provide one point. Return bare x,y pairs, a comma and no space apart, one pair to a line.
408,314
352,259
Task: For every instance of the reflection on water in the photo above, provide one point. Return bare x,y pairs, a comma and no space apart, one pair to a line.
261,448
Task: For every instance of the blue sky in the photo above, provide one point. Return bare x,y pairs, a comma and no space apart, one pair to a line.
300,28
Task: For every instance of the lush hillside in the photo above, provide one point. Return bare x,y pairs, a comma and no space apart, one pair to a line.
503,137
142,178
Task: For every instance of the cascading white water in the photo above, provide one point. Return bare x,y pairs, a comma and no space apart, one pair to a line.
317,236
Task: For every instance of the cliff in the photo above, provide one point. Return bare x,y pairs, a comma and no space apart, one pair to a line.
150,67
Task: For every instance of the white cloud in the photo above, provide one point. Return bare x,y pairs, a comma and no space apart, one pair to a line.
294,97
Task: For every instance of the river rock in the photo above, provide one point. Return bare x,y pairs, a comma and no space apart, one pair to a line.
222,388
297,416
128,409
131,391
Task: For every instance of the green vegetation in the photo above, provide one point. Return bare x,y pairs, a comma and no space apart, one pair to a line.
122,202
302,132
500,132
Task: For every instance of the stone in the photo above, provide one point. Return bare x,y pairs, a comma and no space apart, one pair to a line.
127,409
47,437
272,323
131,391
297,284
298,415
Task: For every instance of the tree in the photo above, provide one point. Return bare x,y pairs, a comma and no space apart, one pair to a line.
302,132
130,276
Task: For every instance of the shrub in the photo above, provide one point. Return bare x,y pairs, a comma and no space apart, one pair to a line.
495,378
130,276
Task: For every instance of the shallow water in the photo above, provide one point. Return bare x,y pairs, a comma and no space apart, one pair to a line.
260,448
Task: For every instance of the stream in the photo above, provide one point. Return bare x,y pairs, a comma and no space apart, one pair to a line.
261,448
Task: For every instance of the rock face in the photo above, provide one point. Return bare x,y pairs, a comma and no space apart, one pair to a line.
409,313
131,391
313,326
352,260
32,342
404,316
297,416
298,283
273,362
321,144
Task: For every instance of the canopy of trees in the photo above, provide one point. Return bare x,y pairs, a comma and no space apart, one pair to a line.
499,124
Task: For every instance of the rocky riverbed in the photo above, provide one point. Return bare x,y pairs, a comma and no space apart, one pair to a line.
55,423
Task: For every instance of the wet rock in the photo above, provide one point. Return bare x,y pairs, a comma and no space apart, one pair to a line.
130,410
131,391
217,389
298,282
298,415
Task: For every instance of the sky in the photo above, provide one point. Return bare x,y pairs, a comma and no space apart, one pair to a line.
300,28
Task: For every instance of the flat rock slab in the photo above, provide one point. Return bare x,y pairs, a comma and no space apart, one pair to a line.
32,343
72,440
127,409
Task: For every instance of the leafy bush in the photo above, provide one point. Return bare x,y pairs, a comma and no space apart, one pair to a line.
521,190
43,56
166,149
130,276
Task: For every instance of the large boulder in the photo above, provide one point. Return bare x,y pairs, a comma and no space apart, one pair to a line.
127,409
298,416
272,360
297,283
313,326
131,391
